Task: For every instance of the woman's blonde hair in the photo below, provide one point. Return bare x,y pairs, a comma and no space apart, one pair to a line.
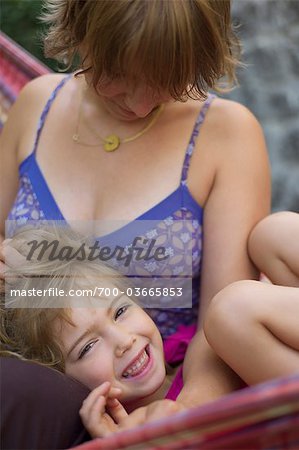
26,322
182,47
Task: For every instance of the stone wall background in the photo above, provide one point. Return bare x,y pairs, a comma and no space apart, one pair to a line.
269,86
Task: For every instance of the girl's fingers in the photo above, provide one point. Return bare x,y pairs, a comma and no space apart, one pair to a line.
93,417
90,403
116,410
135,418
94,395
114,392
104,390
87,410
93,413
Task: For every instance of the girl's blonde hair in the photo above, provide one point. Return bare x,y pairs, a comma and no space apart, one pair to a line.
182,47
26,322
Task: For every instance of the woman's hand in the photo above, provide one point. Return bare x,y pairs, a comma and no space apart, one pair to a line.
2,265
102,413
9,257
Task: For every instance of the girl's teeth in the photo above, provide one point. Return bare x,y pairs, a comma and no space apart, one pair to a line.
135,368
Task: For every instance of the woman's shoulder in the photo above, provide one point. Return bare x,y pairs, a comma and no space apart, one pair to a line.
231,142
228,117
231,128
35,94
28,106
232,118
40,88
237,142
49,79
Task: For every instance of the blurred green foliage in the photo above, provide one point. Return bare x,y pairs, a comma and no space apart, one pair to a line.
19,20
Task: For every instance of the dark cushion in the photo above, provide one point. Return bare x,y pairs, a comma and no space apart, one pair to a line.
39,407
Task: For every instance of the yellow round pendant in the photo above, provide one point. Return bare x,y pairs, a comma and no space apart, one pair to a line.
111,143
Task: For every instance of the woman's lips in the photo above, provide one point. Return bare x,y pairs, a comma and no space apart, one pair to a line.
126,113
125,110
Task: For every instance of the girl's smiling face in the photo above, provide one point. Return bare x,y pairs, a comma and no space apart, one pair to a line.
117,342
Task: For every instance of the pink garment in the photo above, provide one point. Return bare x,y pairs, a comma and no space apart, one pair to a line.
175,347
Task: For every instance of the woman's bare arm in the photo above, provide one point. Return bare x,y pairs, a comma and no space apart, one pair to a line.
239,198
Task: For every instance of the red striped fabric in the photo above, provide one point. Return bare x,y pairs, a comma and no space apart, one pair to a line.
261,417
17,67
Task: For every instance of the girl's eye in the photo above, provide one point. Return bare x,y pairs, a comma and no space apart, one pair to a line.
86,349
121,311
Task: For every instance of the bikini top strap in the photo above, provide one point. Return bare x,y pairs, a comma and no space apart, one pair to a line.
47,108
196,129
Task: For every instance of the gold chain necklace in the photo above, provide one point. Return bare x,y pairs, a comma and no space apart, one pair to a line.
112,142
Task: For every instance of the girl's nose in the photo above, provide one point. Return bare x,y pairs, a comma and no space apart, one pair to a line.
123,342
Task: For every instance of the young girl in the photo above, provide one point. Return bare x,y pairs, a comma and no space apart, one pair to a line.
254,326
95,333
135,136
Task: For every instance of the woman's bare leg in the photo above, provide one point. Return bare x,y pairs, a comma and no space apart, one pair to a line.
254,328
274,248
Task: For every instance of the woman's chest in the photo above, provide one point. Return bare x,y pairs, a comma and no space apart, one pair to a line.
87,183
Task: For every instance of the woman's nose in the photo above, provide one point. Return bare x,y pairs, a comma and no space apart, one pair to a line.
141,102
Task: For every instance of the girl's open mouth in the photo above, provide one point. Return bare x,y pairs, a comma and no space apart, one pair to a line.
139,364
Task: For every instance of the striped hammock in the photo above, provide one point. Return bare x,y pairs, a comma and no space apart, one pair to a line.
17,67
262,417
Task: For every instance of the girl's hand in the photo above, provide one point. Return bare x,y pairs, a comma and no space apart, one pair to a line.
102,414
154,411
95,408
162,408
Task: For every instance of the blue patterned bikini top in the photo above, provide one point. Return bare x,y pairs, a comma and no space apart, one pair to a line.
175,222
